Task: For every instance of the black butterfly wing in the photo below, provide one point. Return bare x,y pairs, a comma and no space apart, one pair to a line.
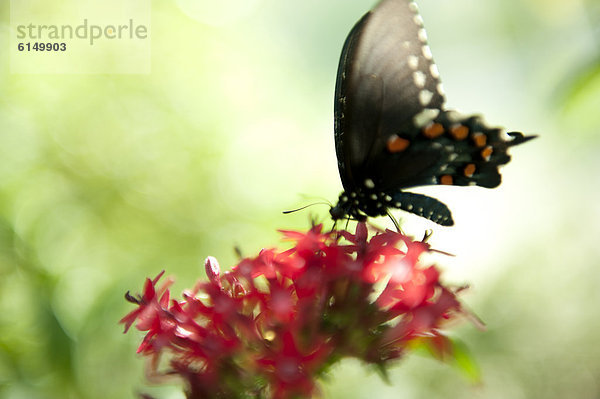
451,149
391,131
386,83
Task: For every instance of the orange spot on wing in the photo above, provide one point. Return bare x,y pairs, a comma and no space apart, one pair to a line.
397,144
480,139
433,130
446,179
459,132
486,153
469,170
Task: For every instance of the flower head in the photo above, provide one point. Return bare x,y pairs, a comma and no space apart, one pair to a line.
274,324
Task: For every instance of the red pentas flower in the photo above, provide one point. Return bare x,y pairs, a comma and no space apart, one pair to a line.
275,323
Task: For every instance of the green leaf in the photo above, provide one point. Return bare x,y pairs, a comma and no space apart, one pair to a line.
451,351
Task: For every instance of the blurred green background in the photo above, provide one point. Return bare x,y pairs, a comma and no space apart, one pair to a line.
107,179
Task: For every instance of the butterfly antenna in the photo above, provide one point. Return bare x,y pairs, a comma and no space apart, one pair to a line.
306,206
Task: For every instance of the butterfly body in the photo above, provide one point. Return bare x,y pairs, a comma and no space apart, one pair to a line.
391,130
360,204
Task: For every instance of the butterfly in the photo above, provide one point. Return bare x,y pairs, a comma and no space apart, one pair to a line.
391,129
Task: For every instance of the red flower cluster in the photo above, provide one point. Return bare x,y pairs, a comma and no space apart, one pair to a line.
275,323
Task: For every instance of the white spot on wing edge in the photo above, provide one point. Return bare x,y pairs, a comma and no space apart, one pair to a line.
433,69
422,35
424,117
413,6
425,97
454,116
419,78
440,89
427,52
418,20
413,61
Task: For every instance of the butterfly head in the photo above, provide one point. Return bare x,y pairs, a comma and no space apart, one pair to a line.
343,208
337,212
357,205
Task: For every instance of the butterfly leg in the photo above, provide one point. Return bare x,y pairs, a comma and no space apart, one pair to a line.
395,221
428,233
